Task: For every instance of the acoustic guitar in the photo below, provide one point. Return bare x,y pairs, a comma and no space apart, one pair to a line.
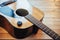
9,23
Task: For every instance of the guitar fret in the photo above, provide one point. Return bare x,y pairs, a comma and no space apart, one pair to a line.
50,33
40,25
45,29
55,36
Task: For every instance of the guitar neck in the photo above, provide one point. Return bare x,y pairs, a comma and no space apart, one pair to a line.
43,27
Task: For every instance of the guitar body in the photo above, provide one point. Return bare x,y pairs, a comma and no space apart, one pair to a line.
26,29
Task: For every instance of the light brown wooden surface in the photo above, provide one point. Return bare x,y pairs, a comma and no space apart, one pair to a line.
51,19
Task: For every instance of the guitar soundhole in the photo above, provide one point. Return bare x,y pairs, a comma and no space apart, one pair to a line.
22,12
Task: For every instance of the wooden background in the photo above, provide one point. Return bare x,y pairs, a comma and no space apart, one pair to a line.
51,9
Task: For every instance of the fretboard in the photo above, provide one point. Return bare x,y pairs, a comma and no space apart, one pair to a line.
43,27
